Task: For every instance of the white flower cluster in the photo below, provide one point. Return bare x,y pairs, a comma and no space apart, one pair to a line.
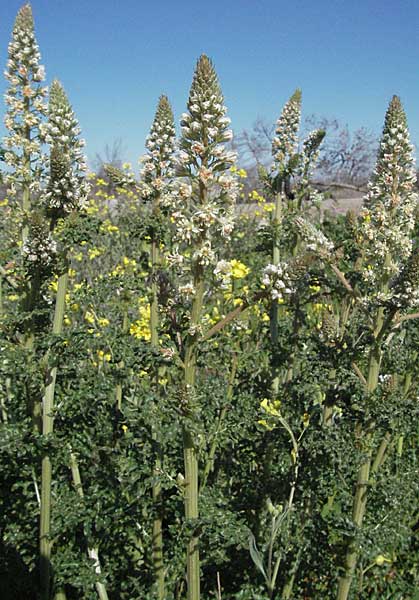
203,199
315,239
223,273
67,187
39,248
405,287
285,141
158,167
276,278
26,107
310,154
388,213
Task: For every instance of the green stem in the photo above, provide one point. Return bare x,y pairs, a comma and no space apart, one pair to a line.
92,552
189,449
157,543
47,429
26,163
118,388
276,256
360,498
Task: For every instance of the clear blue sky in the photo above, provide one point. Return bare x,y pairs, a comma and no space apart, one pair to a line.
116,58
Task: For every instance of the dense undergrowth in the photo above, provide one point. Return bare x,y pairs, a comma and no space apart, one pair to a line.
196,401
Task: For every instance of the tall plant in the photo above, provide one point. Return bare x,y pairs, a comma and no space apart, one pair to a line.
65,193
389,287
157,175
26,110
202,212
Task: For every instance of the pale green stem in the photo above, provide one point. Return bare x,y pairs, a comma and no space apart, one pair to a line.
47,429
379,457
360,498
118,388
92,552
26,163
157,543
276,256
327,407
189,449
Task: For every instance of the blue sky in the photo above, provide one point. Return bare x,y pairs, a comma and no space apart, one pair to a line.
116,58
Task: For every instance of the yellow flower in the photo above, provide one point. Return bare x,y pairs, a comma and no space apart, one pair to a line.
95,252
103,322
4,202
268,207
13,297
141,328
271,407
92,209
108,227
129,262
89,317
265,424
100,181
238,269
105,356
380,560
124,428
255,196
53,286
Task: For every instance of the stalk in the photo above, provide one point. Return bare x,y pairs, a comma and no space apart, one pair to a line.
92,552
47,429
189,450
276,255
157,174
204,162
157,557
360,498
118,388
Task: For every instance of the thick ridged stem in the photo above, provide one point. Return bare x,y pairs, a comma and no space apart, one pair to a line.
118,387
47,429
360,498
157,557
26,161
92,552
276,256
189,449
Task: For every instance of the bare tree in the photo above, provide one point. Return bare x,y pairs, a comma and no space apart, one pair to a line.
346,158
111,155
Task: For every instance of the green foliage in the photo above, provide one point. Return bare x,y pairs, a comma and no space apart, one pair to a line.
276,467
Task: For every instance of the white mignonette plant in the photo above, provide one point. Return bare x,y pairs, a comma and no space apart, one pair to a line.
285,141
158,163
202,214
66,187
202,207
26,110
389,208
